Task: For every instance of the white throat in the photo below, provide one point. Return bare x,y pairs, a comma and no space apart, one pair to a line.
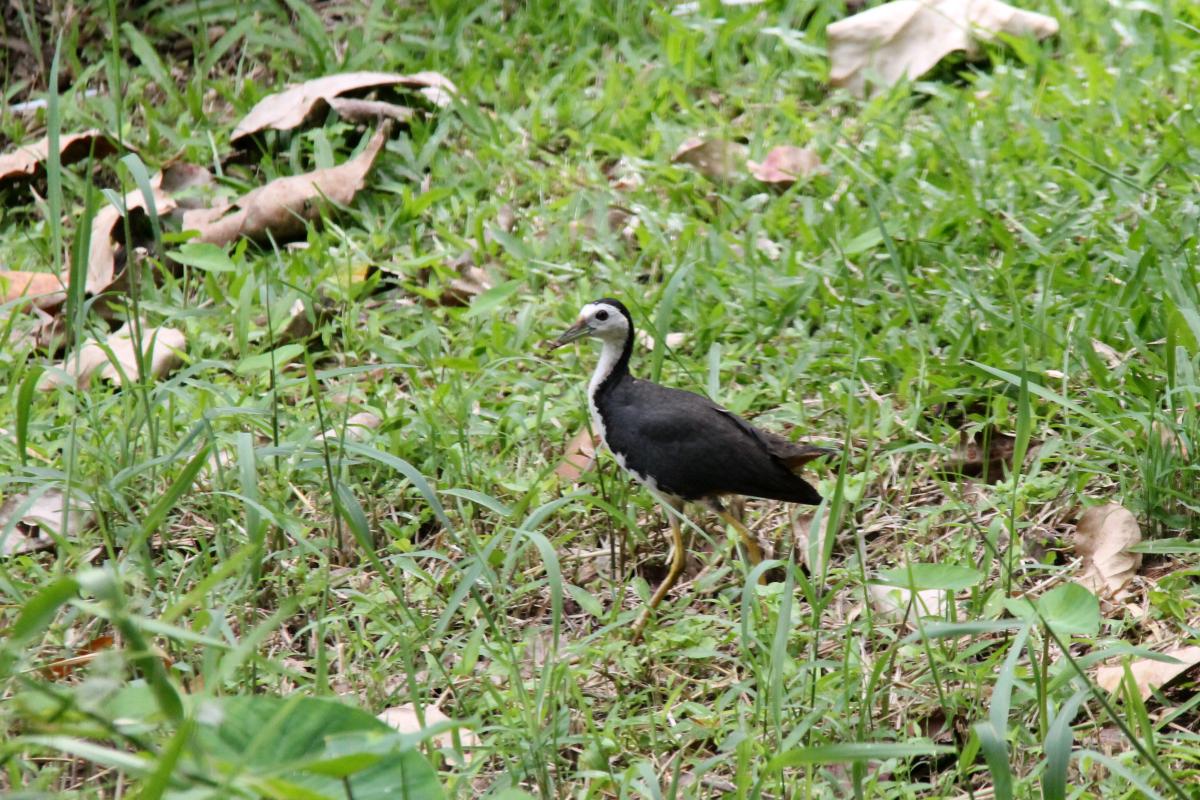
610,353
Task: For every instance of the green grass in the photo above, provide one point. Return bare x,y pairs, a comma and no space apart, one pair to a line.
948,271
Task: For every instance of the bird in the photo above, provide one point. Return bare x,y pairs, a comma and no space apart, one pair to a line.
681,445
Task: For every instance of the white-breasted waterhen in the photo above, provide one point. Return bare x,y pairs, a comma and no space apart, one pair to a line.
683,446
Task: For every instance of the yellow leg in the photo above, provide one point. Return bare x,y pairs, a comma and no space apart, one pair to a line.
753,551
678,558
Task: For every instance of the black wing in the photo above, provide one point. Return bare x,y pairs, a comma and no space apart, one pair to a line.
694,448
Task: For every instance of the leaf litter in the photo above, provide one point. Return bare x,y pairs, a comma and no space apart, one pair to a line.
29,161
30,521
785,164
296,104
1103,538
116,359
906,38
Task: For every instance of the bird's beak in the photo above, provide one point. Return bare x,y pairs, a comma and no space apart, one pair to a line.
576,331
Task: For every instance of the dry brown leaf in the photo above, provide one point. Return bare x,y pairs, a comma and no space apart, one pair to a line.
358,427
282,206
43,289
65,666
692,6
357,110
404,719
471,281
30,526
290,108
985,453
784,164
1110,356
809,544
647,340
578,456
29,160
102,250
717,159
162,347
1147,673
1103,537
906,38
904,605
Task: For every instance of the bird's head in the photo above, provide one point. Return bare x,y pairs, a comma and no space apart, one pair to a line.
604,319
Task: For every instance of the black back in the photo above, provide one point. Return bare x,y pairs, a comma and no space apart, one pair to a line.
692,447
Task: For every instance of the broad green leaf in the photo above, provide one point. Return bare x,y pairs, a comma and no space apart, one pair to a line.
271,359
203,255
324,746
950,577
856,751
492,299
1070,609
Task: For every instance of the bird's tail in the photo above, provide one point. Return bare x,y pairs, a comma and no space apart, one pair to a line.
797,455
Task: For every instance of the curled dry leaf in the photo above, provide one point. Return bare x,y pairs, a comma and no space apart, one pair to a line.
692,6
43,289
1148,673
471,281
32,521
906,38
102,250
983,454
1103,537
161,350
29,160
290,108
674,339
1110,356
578,457
717,159
282,206
358,427
784,164
904,605
404,719
357,110
809,544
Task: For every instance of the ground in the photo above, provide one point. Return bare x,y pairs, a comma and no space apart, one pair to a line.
985,299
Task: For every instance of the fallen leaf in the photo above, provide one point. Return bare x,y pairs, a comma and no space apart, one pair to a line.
102,250
985,453
32,521
161,351
809,544
290,108
784,164
43,289
470,282
1148,673
717,159
358,110
692,6
358,426
1110,356
904,605
674,339
65,666
29,160
1103,537
578,456
906,38
404,719
177,186
282,206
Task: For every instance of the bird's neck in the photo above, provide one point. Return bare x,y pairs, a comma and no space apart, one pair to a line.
613,365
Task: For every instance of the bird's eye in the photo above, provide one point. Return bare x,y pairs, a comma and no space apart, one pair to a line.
602,315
